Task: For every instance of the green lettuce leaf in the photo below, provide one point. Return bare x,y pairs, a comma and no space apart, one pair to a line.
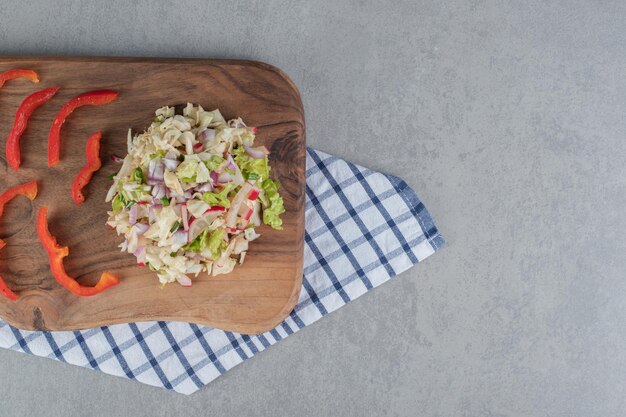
214,162
274,205
198,244
251,168
214,241
118,203
137,176
218,199
186,171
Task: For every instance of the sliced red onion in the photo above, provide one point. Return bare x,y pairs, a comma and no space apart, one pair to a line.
117,159
214,175
231,163
152,166
140,250
187,194
152,212
197,148
185,217
179,198
171,164
159,172
132,216
158,191
204,187
170,155
256,153
224,177
141,228
238,177
154,181
155,170
179,237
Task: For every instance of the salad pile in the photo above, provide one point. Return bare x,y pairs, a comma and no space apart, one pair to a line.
191,192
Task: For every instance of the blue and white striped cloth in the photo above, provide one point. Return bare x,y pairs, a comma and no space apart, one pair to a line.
362,228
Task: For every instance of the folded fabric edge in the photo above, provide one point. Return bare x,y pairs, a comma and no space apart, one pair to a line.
430,230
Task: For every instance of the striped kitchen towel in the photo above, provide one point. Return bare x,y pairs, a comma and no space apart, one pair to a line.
362,228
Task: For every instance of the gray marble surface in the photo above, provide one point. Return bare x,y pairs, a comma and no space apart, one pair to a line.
509,120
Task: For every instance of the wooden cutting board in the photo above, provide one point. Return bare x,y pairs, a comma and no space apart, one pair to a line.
254,298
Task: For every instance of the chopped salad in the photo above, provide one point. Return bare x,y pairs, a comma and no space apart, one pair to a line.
191,192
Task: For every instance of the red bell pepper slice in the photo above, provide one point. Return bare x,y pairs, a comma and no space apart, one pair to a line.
28,190
28,106
92,98
18,73
93,164
56,253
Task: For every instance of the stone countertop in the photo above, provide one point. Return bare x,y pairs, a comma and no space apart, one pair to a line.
509,120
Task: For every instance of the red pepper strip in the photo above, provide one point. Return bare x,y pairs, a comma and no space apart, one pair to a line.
28,106
56,253
93,98
18,73
93,164
28,190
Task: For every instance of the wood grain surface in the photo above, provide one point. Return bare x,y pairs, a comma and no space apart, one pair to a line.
254,298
